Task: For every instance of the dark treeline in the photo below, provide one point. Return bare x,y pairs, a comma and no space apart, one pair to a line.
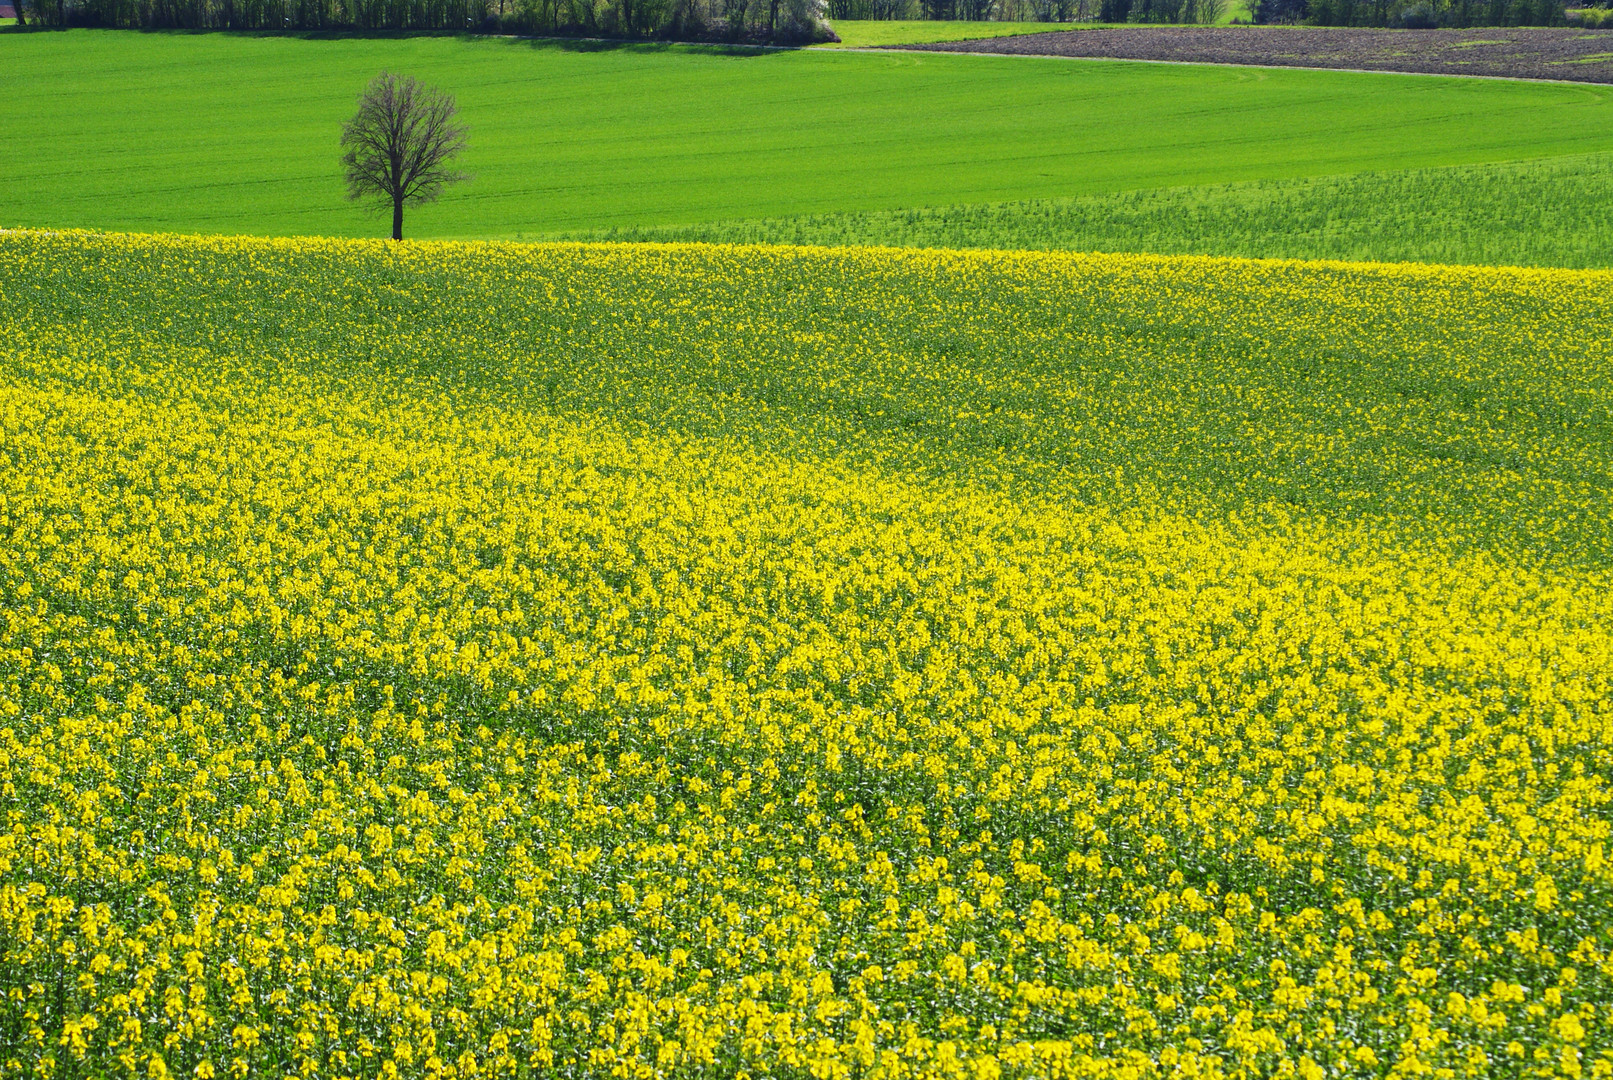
783,21
1059,11
1410,14
1413,14
730,20
1163,11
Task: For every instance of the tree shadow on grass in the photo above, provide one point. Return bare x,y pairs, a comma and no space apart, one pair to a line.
303,35
560,43
639,45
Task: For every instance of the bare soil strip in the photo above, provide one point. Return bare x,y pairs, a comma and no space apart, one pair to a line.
1531,52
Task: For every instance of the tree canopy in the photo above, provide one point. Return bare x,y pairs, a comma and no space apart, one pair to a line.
400,143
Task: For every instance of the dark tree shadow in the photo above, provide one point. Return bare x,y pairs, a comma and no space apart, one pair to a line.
557,42
638,45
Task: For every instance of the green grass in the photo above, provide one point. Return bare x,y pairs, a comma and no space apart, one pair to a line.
864,33
237,134
1534,213
872,33
1236,9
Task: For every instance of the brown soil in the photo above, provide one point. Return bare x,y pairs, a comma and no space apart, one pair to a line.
1531,52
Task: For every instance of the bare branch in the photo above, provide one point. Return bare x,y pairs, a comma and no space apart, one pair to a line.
399,143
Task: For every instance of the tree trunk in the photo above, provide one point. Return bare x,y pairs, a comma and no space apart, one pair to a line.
16,5
397,217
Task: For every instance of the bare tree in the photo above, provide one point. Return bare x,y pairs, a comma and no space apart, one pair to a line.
399,144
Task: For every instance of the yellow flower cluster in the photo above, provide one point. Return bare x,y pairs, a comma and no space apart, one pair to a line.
485,660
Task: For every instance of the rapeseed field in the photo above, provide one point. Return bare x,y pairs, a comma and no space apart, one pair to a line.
472,660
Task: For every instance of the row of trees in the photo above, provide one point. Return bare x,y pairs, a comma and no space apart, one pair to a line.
736,20
1163,11
1413,14
781,21
1398,13
1146,11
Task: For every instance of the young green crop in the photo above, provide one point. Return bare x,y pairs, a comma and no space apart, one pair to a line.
237,134
873,33
1535,213
462,660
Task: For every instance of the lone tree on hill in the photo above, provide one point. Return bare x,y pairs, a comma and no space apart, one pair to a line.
399,144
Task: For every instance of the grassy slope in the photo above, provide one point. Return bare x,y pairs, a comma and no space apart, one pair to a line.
865,33
872,33
1535,213
238,134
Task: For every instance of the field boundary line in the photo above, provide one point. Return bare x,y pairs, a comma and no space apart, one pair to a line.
910,50
919,48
